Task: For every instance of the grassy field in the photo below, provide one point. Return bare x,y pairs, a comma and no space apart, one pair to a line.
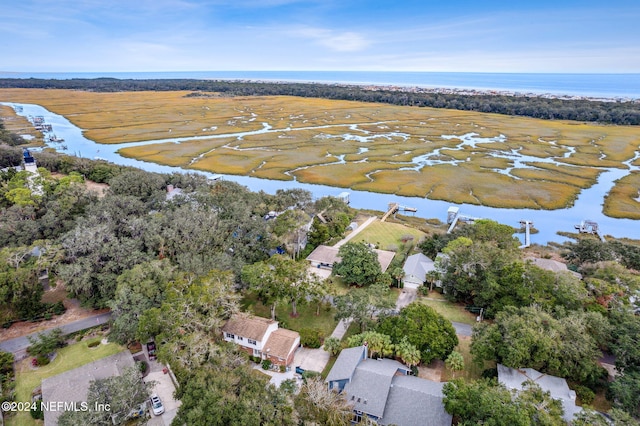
306,318
386,235
449,310
358,145
68,358
471,370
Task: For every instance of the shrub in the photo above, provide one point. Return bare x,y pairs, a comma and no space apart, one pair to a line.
266,364
283,368
311,337
93,343
586,395
42,360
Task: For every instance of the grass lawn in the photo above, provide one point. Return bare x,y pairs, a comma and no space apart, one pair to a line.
449,310
471,370
306,318
73,356
387,235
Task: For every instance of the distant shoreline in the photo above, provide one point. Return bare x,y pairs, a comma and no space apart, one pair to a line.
438,90
563,85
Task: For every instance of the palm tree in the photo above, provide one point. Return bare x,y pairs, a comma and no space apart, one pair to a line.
408,353
455,362
398,274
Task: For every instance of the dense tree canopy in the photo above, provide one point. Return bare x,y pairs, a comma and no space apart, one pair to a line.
424,328
566,346
486,403
358,265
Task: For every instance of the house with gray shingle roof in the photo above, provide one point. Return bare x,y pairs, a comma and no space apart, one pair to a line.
384,390
415,270
514,379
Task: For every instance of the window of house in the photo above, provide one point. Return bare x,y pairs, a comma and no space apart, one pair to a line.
240,338
251,341
230,336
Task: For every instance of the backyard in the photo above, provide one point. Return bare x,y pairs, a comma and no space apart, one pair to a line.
28,378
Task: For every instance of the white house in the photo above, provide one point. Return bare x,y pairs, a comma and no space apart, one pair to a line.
415,270
261,337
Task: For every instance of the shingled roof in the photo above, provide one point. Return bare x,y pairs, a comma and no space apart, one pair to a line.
329,255
248,326
281,342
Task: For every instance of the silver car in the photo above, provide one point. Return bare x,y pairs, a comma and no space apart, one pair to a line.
156,405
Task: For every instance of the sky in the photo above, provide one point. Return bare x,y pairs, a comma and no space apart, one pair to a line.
568,36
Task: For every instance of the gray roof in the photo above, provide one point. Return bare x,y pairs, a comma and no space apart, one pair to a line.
73,385
370,385
329,255
346,363
418,265
556,386
415,402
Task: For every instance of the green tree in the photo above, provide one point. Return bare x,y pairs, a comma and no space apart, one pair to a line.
625,391
408,353
139,289
316,405
226,391
363,305
378,344
529,337
358,265
332,345
122,394
455,362
46,343
190,319
484,402
281,278
424,328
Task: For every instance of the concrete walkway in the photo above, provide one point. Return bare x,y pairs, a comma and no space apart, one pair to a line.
341,328
355,232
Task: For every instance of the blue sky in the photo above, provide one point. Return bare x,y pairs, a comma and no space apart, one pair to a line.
355,35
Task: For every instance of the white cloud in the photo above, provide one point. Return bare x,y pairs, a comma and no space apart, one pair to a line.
347,41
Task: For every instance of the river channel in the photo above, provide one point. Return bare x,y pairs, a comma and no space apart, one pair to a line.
588,205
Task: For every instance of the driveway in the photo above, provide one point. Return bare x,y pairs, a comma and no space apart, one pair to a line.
164,388
407,296
311,359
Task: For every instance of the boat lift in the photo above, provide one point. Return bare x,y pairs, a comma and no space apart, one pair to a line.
454,215
590,227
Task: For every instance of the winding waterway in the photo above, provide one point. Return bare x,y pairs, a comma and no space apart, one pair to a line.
588,205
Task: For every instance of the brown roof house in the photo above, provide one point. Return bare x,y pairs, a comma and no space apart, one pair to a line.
261,337
326,256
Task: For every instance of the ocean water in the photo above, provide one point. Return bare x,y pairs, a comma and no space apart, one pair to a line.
625,86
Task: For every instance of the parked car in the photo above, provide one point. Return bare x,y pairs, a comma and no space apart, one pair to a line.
156,405
151,349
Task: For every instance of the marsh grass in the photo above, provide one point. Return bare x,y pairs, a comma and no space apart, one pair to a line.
624,198
136,116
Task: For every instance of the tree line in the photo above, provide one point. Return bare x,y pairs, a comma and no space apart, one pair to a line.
621,113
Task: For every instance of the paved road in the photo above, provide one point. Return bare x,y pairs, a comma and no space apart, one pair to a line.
462,329
20,344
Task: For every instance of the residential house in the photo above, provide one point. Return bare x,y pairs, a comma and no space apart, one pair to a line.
514,379
415,269
73,386
552,265
384,391
261,337
325,256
